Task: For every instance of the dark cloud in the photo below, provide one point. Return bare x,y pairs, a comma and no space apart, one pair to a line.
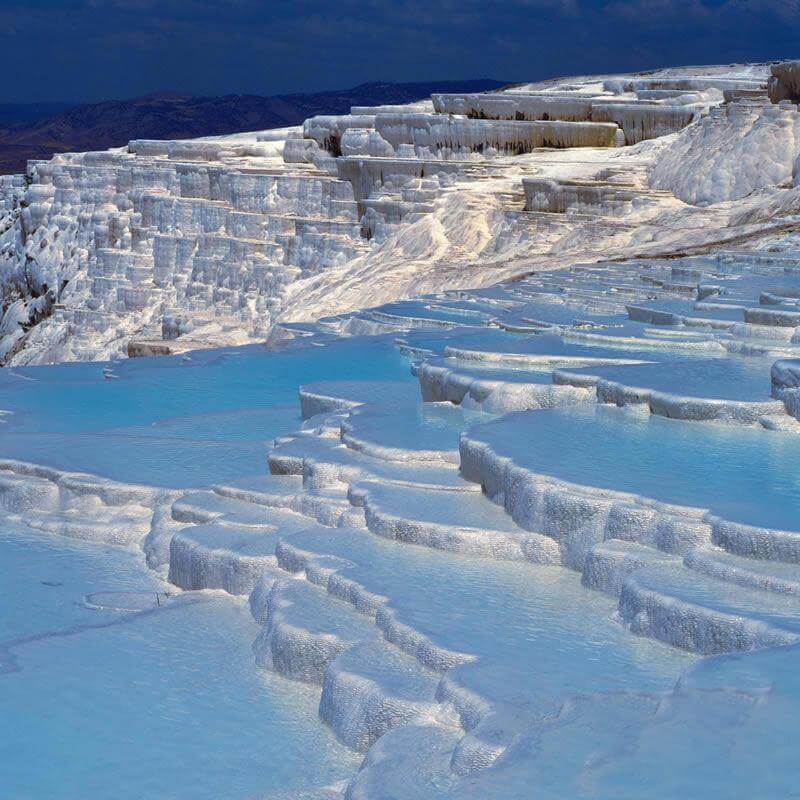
98,49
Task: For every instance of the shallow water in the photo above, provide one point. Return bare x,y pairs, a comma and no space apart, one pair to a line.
742,474
177,422
429,426
78,397
536,633
122,690
728,378
163,702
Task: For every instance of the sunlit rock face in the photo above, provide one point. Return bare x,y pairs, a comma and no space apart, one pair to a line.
784,82
164,246
739,148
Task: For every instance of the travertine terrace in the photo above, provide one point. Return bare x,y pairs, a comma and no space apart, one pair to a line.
513,493
163,246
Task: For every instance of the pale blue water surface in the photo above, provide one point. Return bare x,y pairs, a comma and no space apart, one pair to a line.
103,692
140,700
742,474
178,421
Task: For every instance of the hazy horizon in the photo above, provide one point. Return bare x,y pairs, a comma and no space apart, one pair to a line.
174,92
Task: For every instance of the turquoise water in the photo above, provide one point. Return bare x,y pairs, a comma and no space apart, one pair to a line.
536,633
429,426
148,701
177,422
728,378
742,474
109,687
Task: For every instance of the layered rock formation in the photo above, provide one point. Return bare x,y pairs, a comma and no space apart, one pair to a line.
164,246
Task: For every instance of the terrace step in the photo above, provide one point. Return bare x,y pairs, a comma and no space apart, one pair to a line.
772,576
328,505
767,544
427,433
463,523
305,629
225,557
696,612
274,491
327,396
494,390
732,390
431,604
325,462
609,564
374,687
671,484
196,508
566,752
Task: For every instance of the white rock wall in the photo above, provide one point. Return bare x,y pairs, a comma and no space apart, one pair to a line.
738,149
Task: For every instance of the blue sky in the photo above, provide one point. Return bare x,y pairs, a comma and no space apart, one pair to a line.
88,50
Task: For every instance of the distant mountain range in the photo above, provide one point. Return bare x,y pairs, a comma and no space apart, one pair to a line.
40,130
